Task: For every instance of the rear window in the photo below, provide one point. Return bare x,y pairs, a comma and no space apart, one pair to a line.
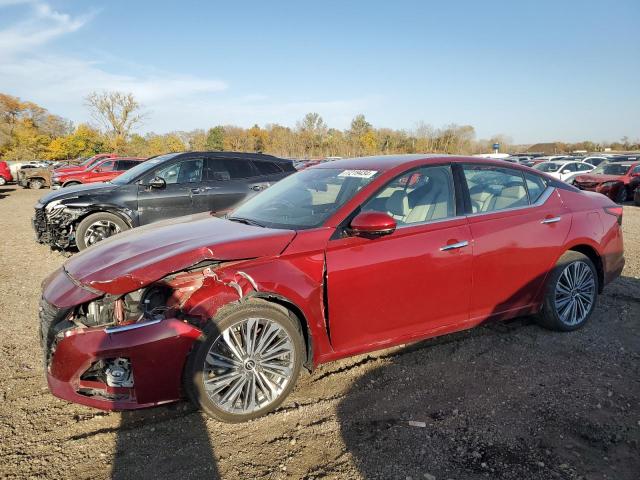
222,169
267,168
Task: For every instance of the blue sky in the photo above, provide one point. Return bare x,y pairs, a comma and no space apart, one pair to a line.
536,71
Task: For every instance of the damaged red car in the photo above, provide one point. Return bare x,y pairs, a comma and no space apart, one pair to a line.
617,181
339,259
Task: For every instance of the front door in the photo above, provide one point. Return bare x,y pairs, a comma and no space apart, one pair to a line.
182,180
416,280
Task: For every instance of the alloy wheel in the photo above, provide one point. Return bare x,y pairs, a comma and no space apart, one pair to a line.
248,366
100,230
575,293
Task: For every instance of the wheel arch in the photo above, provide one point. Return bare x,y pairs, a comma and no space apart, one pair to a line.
299,316
592,253
72,181
113,209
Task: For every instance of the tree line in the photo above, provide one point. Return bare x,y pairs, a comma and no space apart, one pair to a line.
28,132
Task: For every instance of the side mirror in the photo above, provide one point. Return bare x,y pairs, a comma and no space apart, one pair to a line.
97,170
372,224
158,182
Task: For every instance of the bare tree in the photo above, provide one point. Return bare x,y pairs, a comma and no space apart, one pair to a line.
117,112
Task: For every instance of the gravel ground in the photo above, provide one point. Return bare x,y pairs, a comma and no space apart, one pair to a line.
505,401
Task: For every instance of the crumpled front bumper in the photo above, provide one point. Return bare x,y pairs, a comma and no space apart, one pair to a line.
157,353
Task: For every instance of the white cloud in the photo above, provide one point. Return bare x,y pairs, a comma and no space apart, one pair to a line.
173,101
41,26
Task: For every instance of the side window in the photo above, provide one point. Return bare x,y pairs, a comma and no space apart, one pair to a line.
420,196
187,171
217,170
571,167
536,185
238,168
583,167
494,188
636,170
267,168
125,164
106,166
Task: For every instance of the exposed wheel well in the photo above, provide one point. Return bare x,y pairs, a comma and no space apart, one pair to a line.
297,313
115,212
595,258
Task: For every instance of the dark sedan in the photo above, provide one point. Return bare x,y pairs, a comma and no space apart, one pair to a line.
163,187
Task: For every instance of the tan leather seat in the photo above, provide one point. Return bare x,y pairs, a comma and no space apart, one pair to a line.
510,197
397,205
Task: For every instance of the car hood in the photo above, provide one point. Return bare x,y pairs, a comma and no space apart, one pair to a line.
77,191
138,257
598,178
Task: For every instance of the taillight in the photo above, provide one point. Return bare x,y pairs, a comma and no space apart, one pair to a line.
615,211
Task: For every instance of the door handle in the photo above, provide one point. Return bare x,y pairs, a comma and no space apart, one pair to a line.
454,246
257,188
551,220
196,190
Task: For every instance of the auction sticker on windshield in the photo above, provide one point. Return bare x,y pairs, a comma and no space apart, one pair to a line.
358,173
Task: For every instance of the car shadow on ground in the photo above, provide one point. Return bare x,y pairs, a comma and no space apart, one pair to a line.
151,445
4,192
509,400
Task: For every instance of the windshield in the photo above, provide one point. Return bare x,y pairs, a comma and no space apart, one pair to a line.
547,167
305,199
140,169
612,169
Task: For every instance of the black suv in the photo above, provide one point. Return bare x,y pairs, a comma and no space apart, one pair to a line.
163,187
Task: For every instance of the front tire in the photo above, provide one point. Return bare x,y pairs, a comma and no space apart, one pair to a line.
98,226
571,293
71,184
2,181
246,362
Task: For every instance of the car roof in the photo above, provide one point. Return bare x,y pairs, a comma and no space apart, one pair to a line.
389,162
240,155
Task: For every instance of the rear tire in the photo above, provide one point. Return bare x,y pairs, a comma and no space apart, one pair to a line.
36,184
98,226
621,195
571,293
236,387
2,181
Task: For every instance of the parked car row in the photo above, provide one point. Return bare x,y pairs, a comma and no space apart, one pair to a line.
162,187
339,259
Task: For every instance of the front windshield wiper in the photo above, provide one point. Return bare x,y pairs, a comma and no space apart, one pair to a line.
246,221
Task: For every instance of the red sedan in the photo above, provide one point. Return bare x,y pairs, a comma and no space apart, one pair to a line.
336,260
88,163
616,180
101,171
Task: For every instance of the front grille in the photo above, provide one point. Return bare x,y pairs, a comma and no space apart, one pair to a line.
40,225
51,322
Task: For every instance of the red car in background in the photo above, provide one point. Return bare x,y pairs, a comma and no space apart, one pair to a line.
88,163
5,173
616,180
336,260
101,171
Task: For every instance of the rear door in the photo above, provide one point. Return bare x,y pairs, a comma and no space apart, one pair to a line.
182,178
224,185
518,223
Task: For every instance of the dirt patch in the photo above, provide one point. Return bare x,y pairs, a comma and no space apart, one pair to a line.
508,401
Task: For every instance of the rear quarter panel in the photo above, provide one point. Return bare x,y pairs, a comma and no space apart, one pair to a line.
594,227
